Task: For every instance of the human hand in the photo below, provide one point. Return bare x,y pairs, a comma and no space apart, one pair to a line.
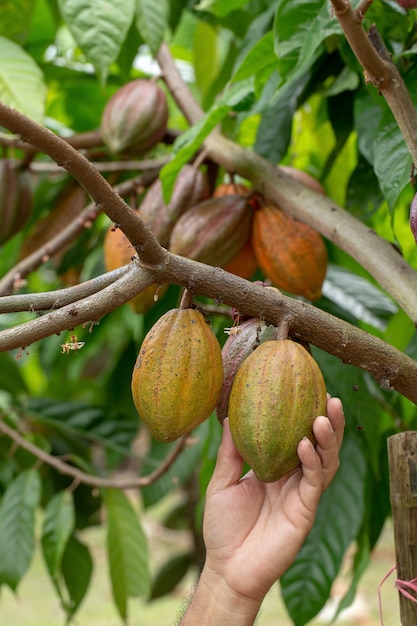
254,530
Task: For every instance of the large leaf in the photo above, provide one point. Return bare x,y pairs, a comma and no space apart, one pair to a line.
339,518
392,160
151,20
127,551
236,97
99,27
77,567
299,30
15,19
22,85
220,8
11,379
58,524
17,521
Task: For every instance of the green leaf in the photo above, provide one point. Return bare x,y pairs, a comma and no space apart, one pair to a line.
220,8
170,575
17,521
15,19
339,518
259,57
392,160
99,27
127,551
11,378
77,567
299,29
151,21
58,524
205,56
187,144
22,85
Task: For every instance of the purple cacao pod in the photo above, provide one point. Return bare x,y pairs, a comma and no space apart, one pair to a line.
135,118
15,199
413,217
242,341
190,188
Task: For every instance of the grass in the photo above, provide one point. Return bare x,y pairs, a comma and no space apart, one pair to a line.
36,603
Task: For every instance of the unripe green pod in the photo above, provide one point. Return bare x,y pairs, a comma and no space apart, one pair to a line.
277,393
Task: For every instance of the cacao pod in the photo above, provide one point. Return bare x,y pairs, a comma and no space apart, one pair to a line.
245,262
15,199
290,253
241,342
213,231
413,217
118,251
178,374
190,188
232,189
277,393
135,118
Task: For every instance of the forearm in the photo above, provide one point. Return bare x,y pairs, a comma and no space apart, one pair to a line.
215,604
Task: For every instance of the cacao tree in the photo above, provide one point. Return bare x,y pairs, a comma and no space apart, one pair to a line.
270,98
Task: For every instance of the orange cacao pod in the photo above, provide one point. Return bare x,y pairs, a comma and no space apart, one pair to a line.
190,188
135,118
290,253
213,231
276,395
231,189
15,199
118,251
178,374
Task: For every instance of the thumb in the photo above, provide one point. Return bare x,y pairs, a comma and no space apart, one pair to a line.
229,463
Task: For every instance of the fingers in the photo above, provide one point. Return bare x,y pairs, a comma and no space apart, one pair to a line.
229,463
328,432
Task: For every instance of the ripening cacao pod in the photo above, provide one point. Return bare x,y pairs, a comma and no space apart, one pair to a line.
407,4
231,189
15,199
413,217
213,231
118,251
241,342
135,118
191,187
290,253
276,395
245,263
178,374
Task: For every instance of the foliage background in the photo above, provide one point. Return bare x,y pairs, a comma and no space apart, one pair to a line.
295,95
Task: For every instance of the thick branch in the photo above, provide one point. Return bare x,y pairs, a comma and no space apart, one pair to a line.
375,254
89,479
390,367
101,192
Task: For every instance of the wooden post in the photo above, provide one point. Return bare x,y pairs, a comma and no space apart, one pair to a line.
402,455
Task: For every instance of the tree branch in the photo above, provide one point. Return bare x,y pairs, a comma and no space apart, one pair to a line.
89,479
394,274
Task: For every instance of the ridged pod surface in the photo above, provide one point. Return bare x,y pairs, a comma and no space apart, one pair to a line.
277,393
241,342
178,374
15,199
290,253
191,188
135,118
214,231
118,251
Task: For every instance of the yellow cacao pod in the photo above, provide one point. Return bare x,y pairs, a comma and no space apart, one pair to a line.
178,375
276,395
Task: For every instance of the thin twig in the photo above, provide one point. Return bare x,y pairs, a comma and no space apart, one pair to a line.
89,479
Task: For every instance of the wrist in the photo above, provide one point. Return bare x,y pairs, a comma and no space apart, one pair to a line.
215,603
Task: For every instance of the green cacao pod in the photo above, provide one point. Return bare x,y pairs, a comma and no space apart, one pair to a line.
190,188
277,393
15,199
241,342
214,231
178,375
135,118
